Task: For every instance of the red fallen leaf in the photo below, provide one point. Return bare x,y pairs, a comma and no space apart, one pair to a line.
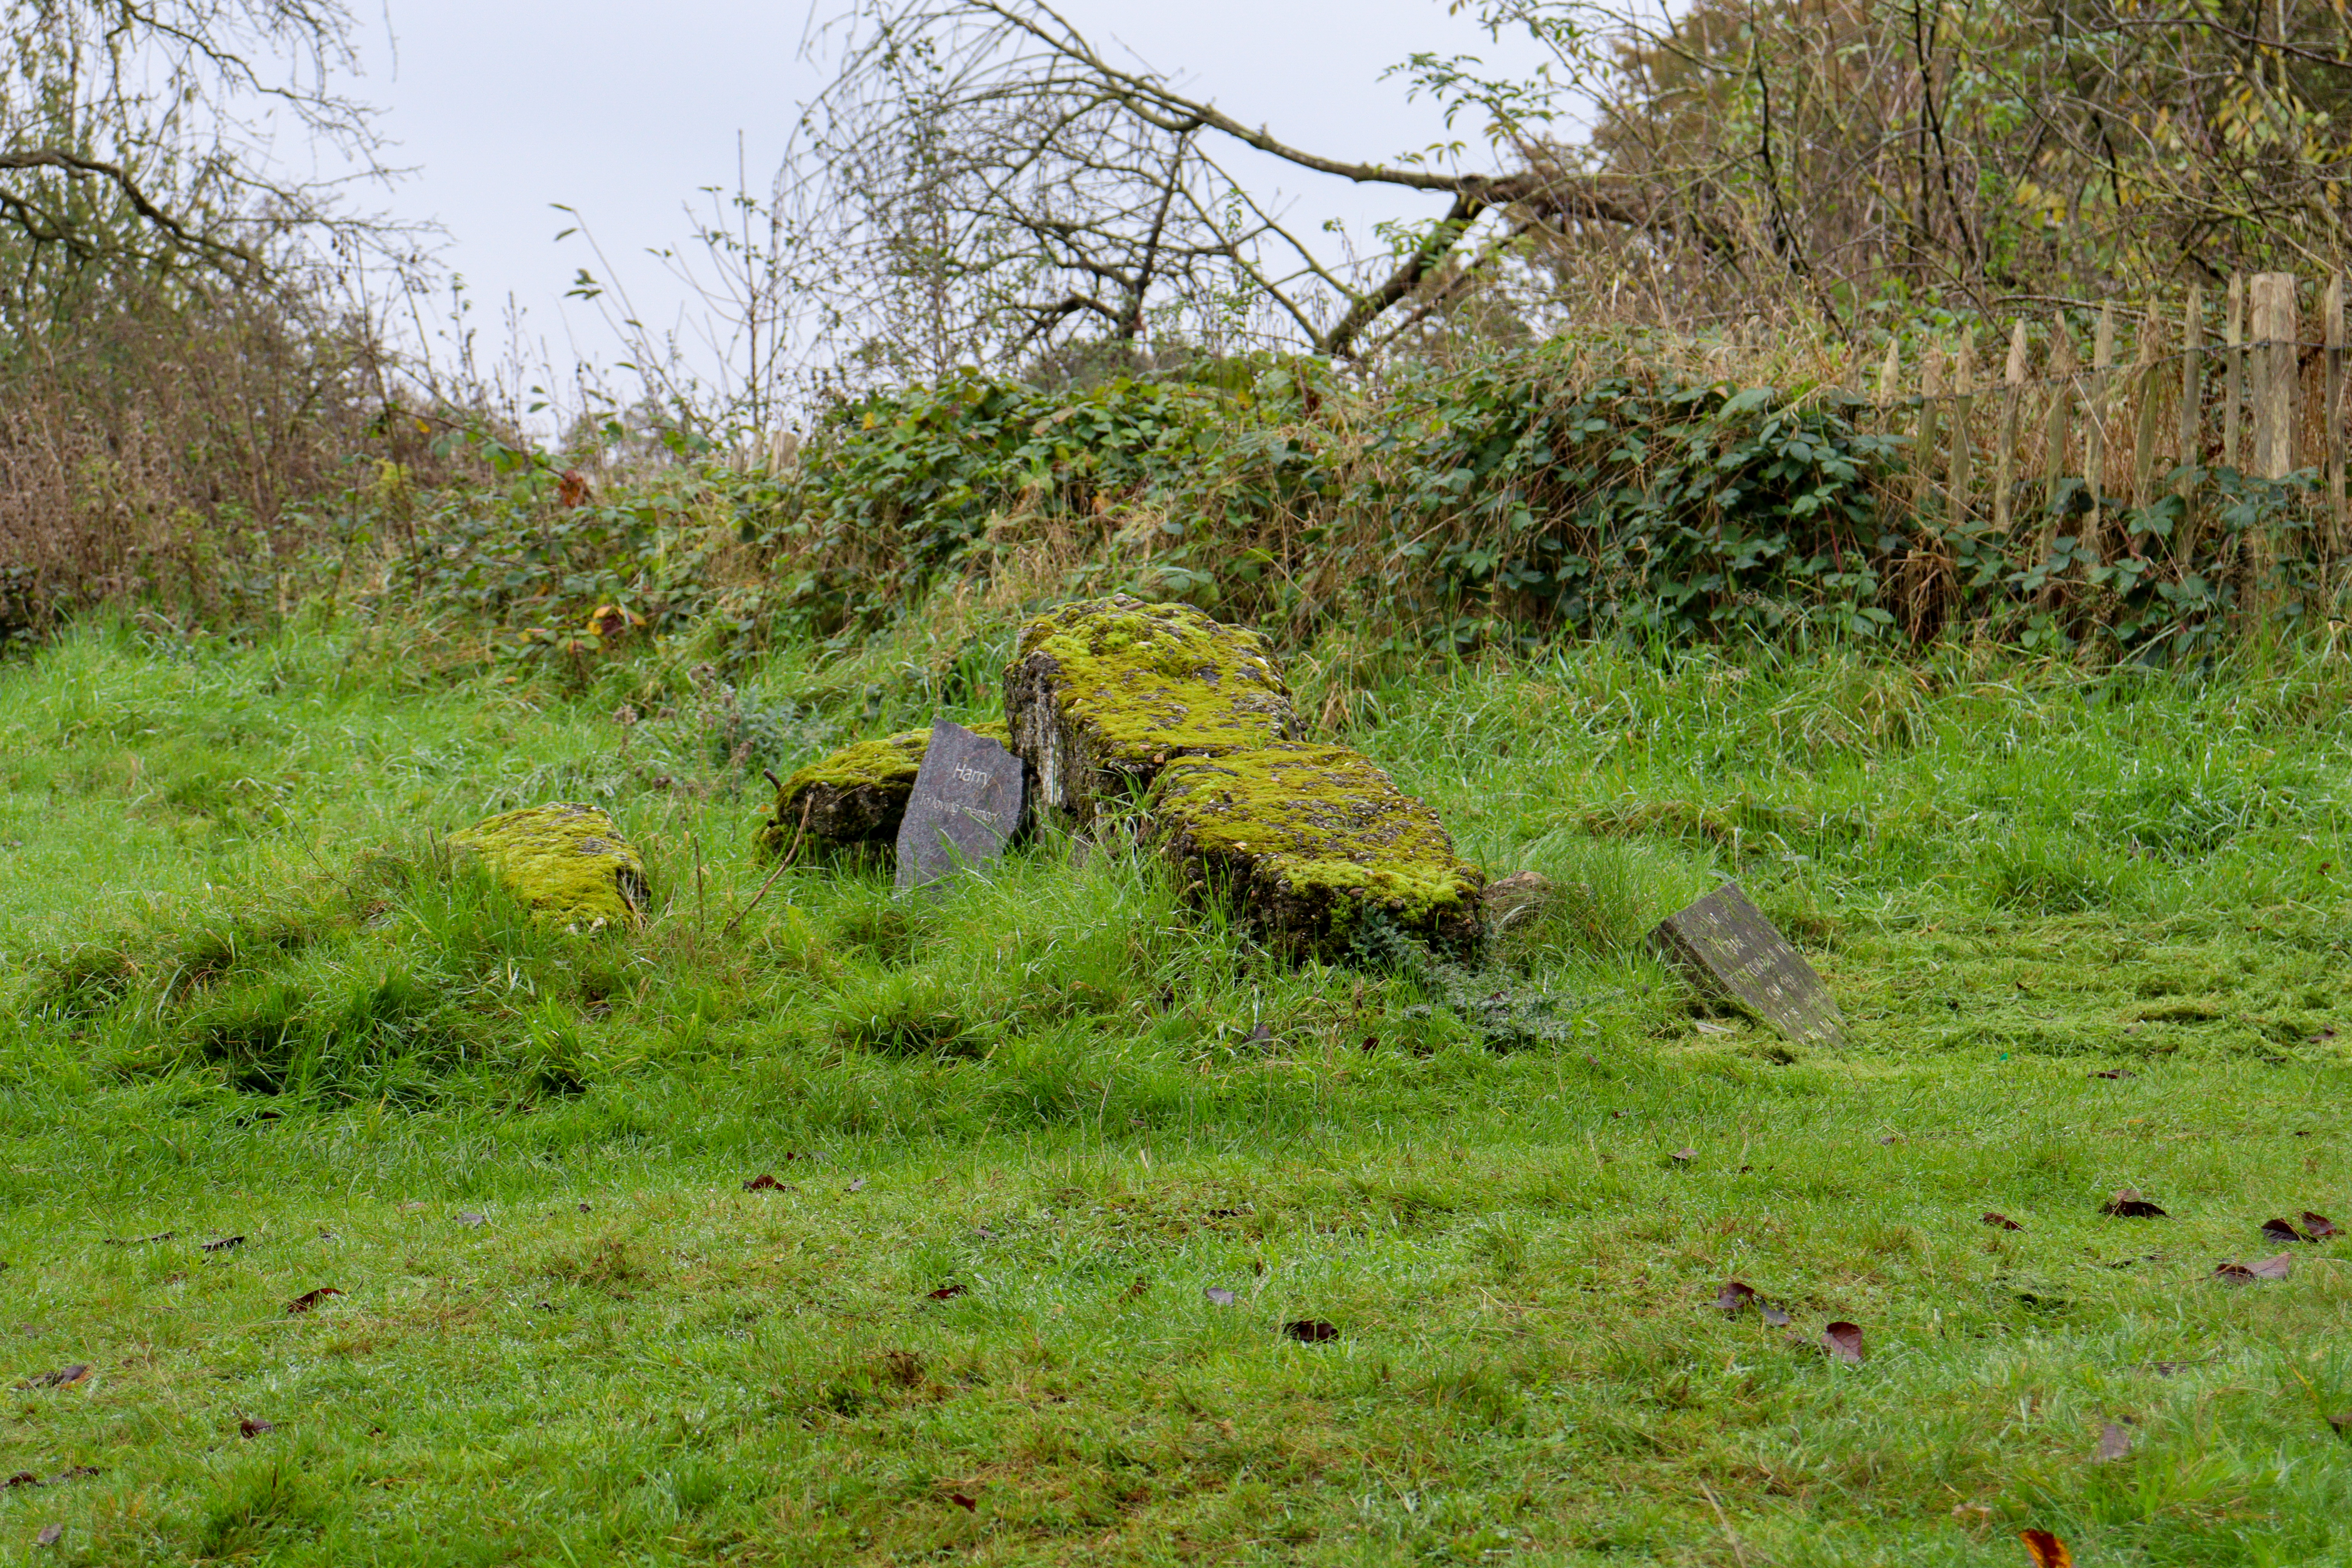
2276,1267
2127,1203
2233,1274
2279,1233
2046,1550
1844,1341
1372,1042
963,1502
254,1427
22,1478
1890,1138
64,1377
761,1184
48,1536
2002,1221
1734,1296
1310,1330
950,1292
2320,1226
310,1299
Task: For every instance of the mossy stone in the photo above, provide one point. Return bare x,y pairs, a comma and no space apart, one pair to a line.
566,861
854,797
1102,693
1311,840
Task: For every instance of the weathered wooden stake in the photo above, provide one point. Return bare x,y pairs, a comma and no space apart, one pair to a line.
2004,456
2056,437
1923,445
2233,369
2095,434
2276,331
1964,376
2151,335
2192,408
2339,526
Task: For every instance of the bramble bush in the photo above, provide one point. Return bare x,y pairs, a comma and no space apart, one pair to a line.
1527,495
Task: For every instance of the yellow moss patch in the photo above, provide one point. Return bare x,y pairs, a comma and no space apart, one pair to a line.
567,862
1310,837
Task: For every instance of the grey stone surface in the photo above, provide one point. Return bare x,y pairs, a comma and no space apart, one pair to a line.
1728,946
967,802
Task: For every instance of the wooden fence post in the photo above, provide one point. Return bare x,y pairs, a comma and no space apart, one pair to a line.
2338,530
1964,375
2192,407
2004,457
1923,444
2055,438
2277,374
2095,433
2151,335
2233,369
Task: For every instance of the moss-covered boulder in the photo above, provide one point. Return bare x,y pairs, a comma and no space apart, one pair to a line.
1102,694
566,861
854,797
1312,841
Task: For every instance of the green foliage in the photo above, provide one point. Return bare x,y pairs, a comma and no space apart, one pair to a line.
1538,492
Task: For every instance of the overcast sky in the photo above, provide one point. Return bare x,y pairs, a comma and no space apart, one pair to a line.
622,109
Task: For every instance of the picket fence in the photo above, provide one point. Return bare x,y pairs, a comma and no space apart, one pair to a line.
2263,395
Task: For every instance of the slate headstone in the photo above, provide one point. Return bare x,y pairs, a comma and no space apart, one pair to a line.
1729,947
967,801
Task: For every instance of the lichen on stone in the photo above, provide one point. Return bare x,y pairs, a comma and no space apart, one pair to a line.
1311,840
1102,693
855,796
567,862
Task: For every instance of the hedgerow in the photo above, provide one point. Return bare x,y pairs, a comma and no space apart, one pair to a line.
1527,495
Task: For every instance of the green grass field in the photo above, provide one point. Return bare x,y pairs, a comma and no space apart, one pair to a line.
1020,1131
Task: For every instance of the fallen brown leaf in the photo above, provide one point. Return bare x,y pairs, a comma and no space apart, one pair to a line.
1733,1297
473,1221
2046,1550
1310,1330
2127,1203
1218,1296
1844,1341
310,1299
2279,1233
2002,1221
2341,1421
950,1292
2275,1266
761,1184
967,1504
1774,1317
2321,1227
1136,1290
2233,1274
64,1377
2114,1443
253,1426
1685,1155
22,1478
2116,1073
858,1185
48,1536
